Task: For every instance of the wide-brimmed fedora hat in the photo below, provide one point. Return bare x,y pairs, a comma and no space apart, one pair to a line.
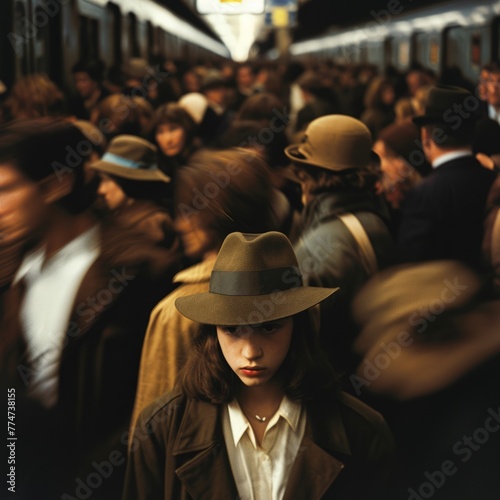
255,279
334,142
442,103
131,157
423,327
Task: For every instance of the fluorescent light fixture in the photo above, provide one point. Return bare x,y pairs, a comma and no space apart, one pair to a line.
230,6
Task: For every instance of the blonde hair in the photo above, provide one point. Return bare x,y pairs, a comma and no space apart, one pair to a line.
35,96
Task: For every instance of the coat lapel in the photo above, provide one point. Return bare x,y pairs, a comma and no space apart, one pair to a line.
207,472
316,466
313,471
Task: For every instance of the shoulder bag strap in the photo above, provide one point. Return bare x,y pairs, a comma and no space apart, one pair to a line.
366,252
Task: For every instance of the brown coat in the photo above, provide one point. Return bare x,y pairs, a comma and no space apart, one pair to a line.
178,452
99,360
169,338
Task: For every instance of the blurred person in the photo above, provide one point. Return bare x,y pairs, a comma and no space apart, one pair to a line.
214,86
133,189
74,315
338,173
486,143
114,81
492,91
285,197
252,393
491,241
442,216
136,75
218,116
35,96
240,203
415,79
419,100
145,113
209,124
175,135
88,78
403,109
3,96
116,115
380,98
319,100
245,85
403,165
191,81
430,362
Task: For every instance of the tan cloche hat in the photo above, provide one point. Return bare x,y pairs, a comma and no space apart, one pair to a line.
334,142
131,157
255,279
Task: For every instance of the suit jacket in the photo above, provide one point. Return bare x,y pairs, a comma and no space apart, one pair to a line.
178,452
442,217
99,362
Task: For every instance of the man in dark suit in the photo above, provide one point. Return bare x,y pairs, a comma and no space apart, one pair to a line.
73,319
442,217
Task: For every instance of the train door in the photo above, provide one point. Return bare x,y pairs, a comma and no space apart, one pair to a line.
47,53
467,48
16,49
112,32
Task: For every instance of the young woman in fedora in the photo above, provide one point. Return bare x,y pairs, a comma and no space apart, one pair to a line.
256,412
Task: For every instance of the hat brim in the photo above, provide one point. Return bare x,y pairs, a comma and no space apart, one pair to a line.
296,156
135,174
230,310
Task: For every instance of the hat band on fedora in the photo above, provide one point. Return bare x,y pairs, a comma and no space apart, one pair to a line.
255,282
125,162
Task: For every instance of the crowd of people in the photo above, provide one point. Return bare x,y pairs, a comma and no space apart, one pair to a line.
257,281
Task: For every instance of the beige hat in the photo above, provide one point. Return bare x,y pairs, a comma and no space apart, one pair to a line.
131,157
423,328
195,104
334,142
255,279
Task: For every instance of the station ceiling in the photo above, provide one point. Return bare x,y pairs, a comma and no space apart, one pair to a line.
314,17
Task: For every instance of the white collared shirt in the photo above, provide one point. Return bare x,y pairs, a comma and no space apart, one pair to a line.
51,287
451,156
493,113
261,472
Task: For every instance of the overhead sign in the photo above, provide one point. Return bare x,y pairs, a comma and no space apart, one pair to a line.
230,6
281,13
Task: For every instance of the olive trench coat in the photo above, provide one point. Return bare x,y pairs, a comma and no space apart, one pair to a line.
178,452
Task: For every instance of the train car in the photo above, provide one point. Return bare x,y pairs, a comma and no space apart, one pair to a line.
49,36
461,34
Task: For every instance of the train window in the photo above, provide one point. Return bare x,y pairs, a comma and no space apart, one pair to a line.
403,54
150,37
388,46
89,38
475,50
116,32
465,49
20,43
134,50
434,52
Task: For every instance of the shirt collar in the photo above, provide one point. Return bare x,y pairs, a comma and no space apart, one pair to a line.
288,410
451,156
33,261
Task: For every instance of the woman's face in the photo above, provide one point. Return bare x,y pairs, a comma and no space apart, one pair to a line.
256,352
111,193
171,138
